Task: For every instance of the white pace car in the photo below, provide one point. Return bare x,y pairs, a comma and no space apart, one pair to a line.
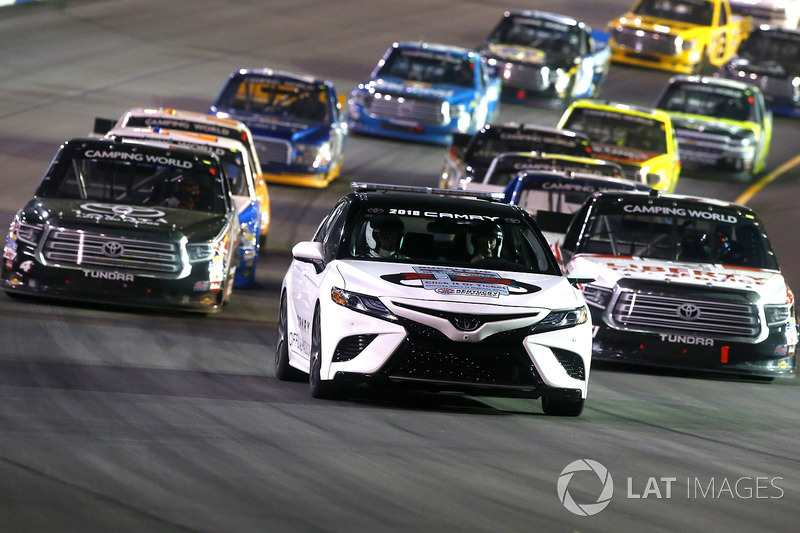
436,290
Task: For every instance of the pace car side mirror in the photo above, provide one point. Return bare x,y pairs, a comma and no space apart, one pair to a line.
583,273
309,252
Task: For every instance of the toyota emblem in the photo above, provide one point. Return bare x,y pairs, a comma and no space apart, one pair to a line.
466,323
688,311
112,249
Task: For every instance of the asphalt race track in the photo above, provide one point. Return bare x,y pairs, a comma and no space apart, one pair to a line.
113,420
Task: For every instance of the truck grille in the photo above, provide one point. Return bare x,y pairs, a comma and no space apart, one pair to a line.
524,77
81,249
691,143
273,150
645,42
689,311
410,109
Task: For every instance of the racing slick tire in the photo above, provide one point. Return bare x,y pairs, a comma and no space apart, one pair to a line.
321,389
283,370
555,406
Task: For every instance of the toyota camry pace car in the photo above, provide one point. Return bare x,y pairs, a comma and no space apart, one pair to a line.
428,289
546,58
127,223
425,92
684,282
297,122
770,59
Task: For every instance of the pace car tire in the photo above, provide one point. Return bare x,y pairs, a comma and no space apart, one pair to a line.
283,370
323,389
555,406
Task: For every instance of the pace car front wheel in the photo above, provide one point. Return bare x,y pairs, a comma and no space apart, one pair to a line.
283,370
323,389
555,406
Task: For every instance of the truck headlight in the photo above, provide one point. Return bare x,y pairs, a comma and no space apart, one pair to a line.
777,315
312,155
28,233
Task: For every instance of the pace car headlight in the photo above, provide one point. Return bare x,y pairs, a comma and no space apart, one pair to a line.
777,315
562,318
361,303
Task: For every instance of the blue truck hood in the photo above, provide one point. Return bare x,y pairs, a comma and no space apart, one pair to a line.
288,128
453,94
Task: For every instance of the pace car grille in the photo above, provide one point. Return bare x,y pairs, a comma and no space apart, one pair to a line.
349,347
273,150
427,354
82,249
645,42
417,110
658,308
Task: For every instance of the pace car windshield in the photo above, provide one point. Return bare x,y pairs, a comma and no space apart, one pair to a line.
678,233
455,239
130,177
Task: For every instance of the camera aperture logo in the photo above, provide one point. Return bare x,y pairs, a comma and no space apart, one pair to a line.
585,509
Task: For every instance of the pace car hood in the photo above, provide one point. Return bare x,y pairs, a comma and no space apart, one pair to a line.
452,286
450,93
86,214
770,284
709,125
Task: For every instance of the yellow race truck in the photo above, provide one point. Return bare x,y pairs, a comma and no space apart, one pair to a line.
685,36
